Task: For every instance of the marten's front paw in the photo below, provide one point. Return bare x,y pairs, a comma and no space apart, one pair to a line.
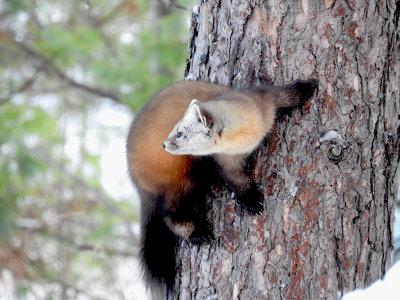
252,200
202,233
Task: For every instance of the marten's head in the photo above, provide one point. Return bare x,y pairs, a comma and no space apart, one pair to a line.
194,134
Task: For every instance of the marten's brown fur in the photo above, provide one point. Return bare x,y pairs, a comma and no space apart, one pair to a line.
173,187
153,168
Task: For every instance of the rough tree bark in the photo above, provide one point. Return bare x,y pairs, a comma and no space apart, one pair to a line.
327,170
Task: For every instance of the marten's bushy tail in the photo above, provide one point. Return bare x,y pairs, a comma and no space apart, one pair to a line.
158,244
292,94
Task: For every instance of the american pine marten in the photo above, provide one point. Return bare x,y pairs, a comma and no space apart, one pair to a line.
214,129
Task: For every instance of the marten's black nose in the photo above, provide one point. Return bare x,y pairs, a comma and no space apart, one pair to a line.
163,145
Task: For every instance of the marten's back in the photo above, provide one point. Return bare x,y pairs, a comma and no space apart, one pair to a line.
151,167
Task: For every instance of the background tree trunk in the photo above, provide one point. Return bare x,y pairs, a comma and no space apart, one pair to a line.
328,170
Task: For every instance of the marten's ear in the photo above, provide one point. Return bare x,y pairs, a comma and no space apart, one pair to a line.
194,101
194,112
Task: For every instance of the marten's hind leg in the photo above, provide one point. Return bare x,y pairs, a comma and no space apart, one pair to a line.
189,222
188,218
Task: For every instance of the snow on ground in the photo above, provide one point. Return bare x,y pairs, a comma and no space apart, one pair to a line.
396,236
387,289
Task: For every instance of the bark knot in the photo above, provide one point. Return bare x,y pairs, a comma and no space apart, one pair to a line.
335,152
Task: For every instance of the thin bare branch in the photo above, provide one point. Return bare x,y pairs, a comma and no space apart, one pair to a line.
169,3
47,63
42,228
26,85
98,194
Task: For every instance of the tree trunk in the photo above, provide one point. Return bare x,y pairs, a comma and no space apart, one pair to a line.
327,170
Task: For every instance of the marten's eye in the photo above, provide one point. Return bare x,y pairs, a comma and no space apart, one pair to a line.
180,134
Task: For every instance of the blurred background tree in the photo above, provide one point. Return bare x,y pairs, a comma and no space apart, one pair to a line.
72,74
